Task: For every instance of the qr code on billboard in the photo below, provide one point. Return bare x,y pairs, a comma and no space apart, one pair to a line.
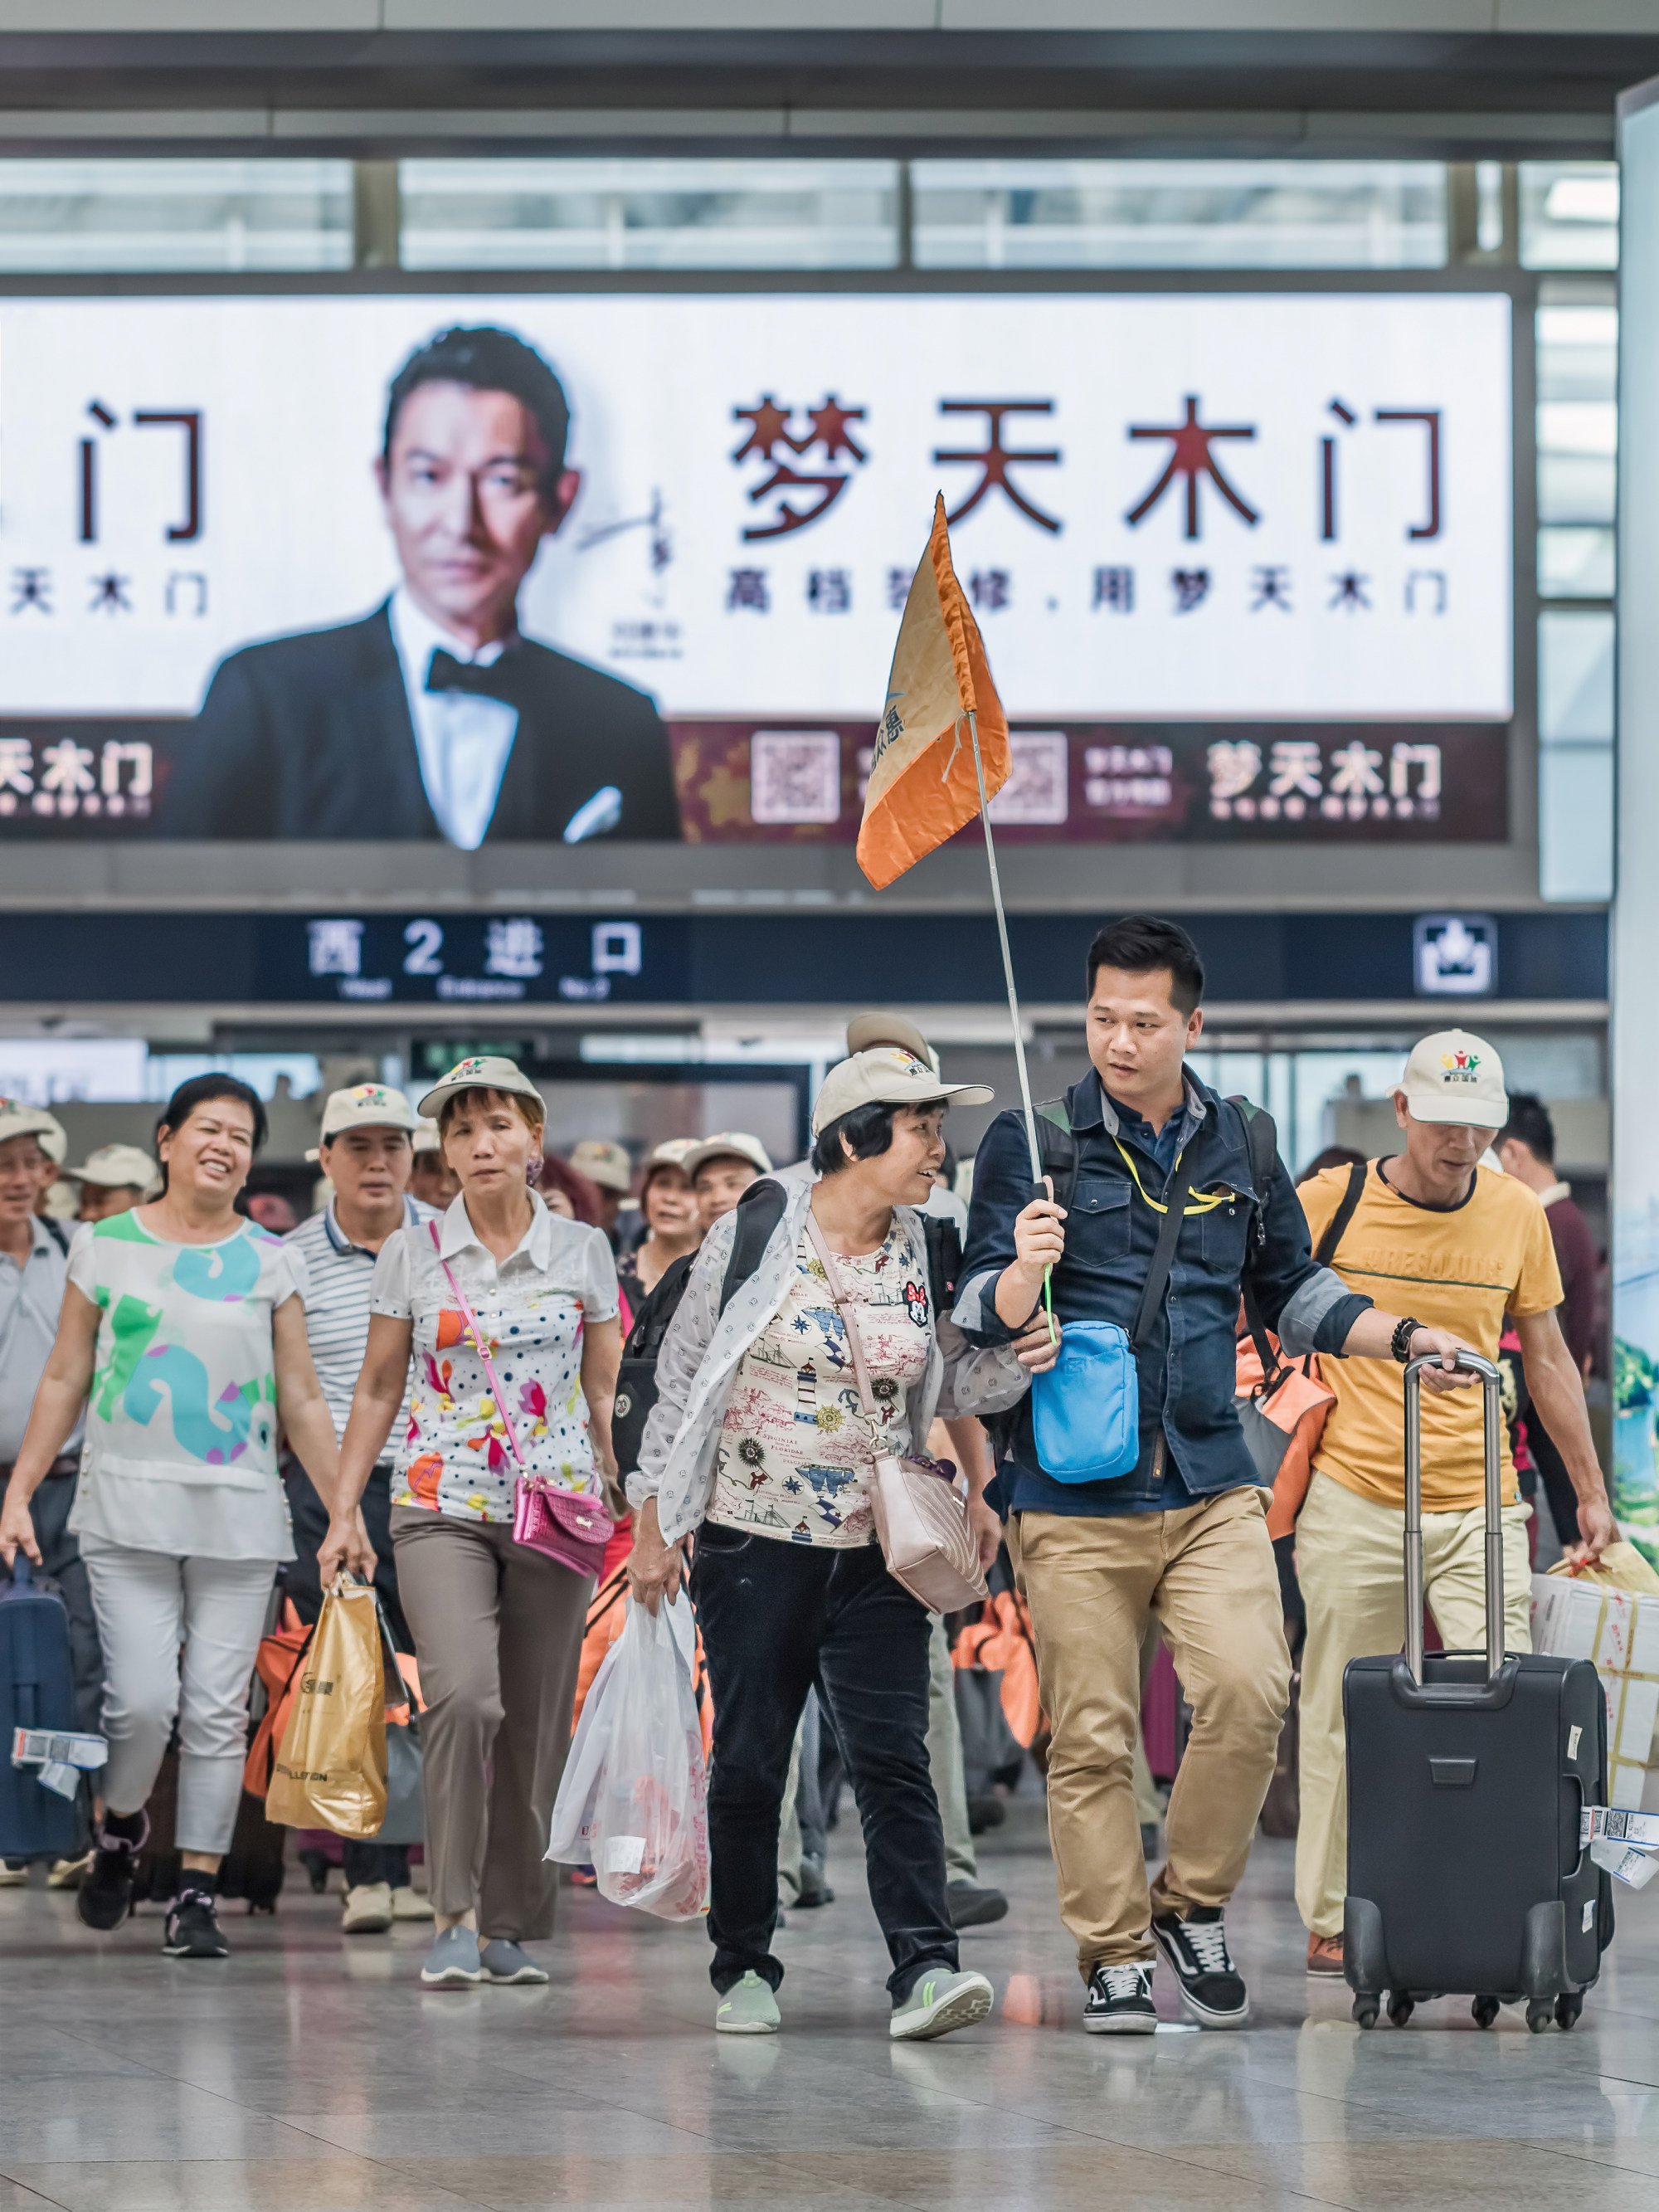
1036,791
794,776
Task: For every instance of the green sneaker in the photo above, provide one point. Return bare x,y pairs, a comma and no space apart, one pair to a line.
748,2008
939,2004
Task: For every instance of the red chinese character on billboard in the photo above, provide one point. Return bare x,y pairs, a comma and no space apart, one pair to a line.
770,431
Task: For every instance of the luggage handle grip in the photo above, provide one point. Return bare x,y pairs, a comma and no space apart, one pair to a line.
1471,1363
1467,1697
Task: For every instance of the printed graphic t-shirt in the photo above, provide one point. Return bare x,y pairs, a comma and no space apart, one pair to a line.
795,1455
181,1422
455,1456
1462,1270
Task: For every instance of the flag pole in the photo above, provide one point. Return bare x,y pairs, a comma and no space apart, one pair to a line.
1007,956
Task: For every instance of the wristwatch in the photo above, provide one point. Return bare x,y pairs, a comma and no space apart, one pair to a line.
1400,1343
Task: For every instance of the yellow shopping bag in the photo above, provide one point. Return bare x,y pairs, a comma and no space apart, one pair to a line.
330,1764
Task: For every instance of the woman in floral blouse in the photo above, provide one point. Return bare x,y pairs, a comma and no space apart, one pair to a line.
497,1626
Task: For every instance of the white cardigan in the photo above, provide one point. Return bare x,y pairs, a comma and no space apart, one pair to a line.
703,1350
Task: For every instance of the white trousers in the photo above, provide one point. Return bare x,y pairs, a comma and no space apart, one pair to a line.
179,1636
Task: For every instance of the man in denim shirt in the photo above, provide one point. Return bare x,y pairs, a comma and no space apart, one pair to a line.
1183,1537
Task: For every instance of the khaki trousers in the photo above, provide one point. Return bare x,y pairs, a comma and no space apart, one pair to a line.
1206,1576
498,1631
1349,1560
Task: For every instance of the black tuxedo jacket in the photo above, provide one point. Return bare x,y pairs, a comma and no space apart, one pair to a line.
310,736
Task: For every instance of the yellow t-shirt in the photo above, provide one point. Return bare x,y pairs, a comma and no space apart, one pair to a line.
1463,1270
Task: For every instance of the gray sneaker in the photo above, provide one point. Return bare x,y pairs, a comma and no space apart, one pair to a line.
452,1962
939,2004
503,1961
748,2008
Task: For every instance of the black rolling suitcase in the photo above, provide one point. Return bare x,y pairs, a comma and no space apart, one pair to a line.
1466,1776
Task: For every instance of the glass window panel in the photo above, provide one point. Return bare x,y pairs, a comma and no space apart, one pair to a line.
625,214
1574,563
1577,352
228,216
1179,215
1575,822
1570,215
1577,358
1575,677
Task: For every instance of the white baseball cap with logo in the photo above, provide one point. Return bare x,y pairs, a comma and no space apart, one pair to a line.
488,1070
365,1106
606,1162
865,1031
19,1119
887,1075
115,1167
1455,1076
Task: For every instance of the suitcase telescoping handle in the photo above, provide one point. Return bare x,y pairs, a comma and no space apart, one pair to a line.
1491,1391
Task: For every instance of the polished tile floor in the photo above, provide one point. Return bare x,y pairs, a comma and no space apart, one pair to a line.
309,2073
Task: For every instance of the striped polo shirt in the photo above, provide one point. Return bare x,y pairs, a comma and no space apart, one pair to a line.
336,1311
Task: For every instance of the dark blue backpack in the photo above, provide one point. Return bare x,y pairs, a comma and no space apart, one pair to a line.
37,1690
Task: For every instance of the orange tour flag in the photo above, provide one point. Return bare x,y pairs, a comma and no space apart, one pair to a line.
923,786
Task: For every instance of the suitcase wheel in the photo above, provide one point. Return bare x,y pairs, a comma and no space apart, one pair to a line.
1540,2011
1401,2009
1483,2011
1568,2006
1367,2009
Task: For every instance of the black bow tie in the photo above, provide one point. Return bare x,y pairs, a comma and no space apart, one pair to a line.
445,674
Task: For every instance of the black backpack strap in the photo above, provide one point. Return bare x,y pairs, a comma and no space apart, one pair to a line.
1057,1148
943,1241
54,1229
1337,1227
1261,1143
1157,1275
760,1209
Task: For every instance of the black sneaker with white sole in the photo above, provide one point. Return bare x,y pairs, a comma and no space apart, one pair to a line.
1120,2000
194,1929
1211,1988
104,1896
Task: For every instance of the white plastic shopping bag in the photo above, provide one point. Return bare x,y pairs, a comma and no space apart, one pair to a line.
632,1802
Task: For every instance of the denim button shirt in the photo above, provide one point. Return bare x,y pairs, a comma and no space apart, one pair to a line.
1188,1364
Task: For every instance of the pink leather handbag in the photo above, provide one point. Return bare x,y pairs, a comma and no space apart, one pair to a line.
562,1525
922,1517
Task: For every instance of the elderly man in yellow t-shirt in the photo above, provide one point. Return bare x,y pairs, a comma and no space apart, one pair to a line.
1437,1236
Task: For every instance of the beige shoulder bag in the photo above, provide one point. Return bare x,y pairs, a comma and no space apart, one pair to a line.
922,1517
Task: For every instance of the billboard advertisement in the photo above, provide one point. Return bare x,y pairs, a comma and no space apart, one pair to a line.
575,567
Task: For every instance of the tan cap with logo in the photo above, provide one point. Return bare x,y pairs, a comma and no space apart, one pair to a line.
886,1075
18,1119
606,1162
865,1031
735,1142
488,1070
365,1106
1453,1076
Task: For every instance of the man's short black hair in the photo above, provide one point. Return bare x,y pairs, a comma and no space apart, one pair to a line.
1530,1124
489,359
1141,942
868,1130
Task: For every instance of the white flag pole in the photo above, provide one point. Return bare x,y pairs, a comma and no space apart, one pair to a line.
1008,956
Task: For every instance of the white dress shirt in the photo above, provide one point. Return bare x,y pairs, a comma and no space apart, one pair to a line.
463,741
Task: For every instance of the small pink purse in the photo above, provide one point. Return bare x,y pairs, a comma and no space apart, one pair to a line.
562,1525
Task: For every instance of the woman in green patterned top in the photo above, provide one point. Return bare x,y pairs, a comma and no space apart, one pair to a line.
183,1338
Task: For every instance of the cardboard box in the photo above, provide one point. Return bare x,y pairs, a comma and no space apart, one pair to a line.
1619,1632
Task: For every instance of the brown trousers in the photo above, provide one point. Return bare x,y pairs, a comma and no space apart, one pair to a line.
1206,1576
498,1631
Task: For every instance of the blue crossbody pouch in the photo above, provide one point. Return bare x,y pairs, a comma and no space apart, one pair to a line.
1086,1409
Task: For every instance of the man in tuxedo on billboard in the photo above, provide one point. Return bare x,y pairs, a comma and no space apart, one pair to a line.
433,717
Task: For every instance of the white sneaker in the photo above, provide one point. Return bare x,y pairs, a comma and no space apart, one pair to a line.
409,1904
748,2008
368,1909
939,2005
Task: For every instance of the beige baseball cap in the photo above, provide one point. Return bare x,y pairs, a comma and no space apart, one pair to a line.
865,1031
365,1106
604,1162
487,1071
1455,1076
887,1075
115,1167
723,1141
18,1119
428,1137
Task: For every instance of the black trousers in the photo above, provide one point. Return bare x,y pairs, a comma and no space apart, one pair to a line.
360,1862
778,1619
